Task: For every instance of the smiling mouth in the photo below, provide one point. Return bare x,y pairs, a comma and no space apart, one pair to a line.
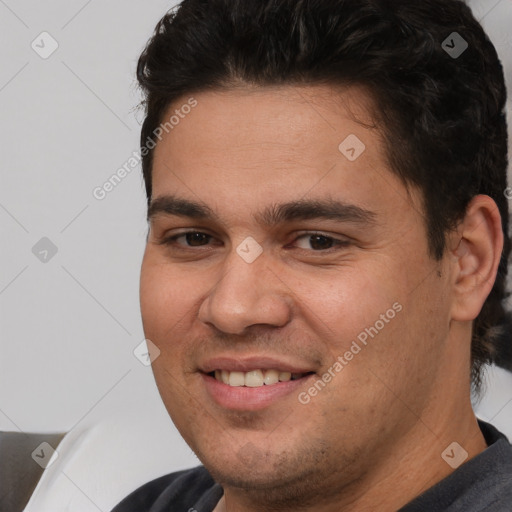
255,378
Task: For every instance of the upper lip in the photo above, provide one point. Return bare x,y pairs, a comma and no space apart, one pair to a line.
247,364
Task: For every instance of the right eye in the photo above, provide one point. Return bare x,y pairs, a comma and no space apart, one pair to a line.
191,239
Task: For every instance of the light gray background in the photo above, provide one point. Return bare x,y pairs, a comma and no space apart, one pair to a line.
69,325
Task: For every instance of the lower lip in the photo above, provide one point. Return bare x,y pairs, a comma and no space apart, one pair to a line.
243,398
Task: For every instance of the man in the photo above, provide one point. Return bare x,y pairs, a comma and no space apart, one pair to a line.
325,265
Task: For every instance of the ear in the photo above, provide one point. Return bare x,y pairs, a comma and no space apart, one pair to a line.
476,249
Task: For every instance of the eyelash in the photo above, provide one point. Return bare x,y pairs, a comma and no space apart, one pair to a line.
171,241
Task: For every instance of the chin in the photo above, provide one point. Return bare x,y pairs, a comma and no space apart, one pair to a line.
276,484
265,478
249,466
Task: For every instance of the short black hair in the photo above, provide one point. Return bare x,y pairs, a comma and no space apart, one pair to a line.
440,104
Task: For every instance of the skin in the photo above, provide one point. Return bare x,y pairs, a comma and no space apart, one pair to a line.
372,438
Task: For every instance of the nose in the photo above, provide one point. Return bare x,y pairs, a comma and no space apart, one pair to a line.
245,295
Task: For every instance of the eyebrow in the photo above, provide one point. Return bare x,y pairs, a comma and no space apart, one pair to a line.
303,209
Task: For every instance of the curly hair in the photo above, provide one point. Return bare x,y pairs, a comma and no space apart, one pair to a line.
442,114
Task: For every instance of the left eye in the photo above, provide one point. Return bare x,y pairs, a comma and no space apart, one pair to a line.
318,242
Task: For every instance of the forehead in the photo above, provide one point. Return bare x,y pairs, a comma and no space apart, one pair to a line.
280,119
250,146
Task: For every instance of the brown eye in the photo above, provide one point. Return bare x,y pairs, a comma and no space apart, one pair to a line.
196,239
318,242
192,239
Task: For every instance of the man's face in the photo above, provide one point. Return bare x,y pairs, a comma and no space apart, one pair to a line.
310,254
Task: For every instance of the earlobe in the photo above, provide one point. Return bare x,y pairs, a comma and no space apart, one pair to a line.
476,257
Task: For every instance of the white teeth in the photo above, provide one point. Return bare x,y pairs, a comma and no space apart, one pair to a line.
284,376
255,378
236,379
271,377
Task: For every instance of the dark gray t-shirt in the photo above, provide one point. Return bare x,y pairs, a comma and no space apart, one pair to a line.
484,483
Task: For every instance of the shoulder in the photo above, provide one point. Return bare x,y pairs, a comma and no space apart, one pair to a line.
176,491
484,483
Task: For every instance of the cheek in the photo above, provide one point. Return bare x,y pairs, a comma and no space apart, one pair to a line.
346,301
369,317
165,298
